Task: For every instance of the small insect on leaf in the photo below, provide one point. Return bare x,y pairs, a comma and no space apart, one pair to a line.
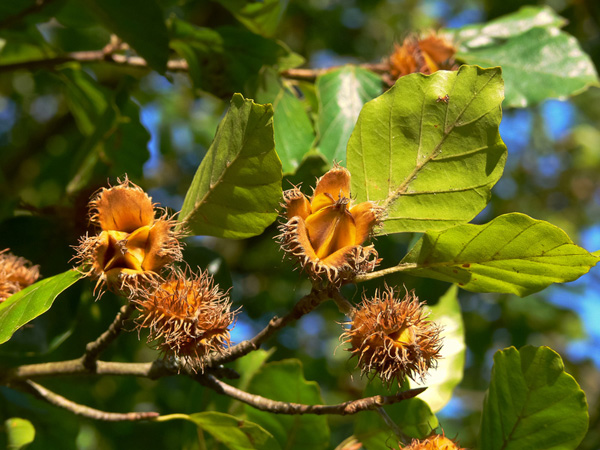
443,99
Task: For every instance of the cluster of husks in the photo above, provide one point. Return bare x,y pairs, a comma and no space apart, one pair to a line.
133,246
325,233
393,338
186,314
16,273
433,442
425,55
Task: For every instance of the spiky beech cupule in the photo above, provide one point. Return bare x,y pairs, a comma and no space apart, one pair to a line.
133,246
325,232
426,54
187,317
16,273
392,338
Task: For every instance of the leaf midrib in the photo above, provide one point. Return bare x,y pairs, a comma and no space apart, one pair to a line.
212,186
436,150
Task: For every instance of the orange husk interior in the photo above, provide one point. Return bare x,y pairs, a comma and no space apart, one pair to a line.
123,208
332,186
330,229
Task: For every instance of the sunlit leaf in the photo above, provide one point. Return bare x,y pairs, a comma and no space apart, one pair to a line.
428,159
539,64
20,433
32,301
234,433
342,93
526,18
284,381
259,17
442,380
513,253
237,188
532,403
140,23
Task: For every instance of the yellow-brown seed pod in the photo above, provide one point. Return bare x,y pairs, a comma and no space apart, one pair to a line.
433,442
16,273
422,54
325,233
133,247
393,338
187,317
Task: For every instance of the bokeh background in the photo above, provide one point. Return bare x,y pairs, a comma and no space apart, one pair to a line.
552,173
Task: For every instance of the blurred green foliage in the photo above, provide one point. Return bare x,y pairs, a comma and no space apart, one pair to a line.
68,127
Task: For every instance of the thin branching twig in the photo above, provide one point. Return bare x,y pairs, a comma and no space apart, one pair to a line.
277,407
76,408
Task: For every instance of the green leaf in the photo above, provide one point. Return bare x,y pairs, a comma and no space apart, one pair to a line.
294,132
20,433
140,23
227,60
342,93
32,301
526,18
413,417
259,17
430,163
442,380
532,403
237,188
249,365
110,122
234,433
539,64
87,100
284,381
513,254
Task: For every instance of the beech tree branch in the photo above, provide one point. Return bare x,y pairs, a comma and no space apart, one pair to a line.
94,348
305,305
81,410
277,407
174,65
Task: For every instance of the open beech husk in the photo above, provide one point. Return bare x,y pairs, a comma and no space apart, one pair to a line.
325,233
134,247
433,442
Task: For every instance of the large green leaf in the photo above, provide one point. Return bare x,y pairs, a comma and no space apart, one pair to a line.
526,18
234,433
140,23
259,17
442,380
20,433
513,253
294,133
428,150
32,301
532,403
342,93
237,188
284,381
539,64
